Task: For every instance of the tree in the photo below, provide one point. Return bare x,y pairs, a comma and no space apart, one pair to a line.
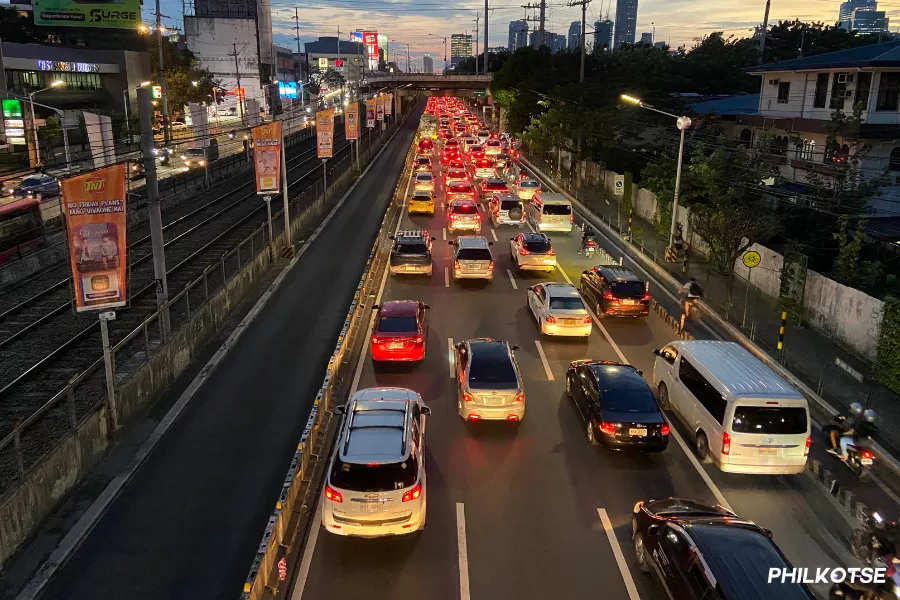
50,131
320,79
181,70
848,268
793,39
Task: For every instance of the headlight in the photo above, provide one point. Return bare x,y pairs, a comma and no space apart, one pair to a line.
202,163
187,163
183,156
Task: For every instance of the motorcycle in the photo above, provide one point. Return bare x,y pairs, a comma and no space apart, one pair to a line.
874,540
589,247
888,590
859,460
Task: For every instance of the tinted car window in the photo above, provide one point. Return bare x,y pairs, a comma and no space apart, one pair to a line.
566,303
423,177
769,420
374,477
411,248
510,204
529,184
461,187
474,254
557,209
495,187
492,373
627,289
465,209
397,324
634,399
702,390
538,246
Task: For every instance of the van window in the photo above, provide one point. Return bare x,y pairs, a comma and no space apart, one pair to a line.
557,209
702,390
772,420
362,477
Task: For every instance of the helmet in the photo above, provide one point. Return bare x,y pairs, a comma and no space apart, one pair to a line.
869,415
856,409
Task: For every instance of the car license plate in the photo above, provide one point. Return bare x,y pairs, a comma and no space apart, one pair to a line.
768,451
411,268
395,345
370,506
568,321
629,302
471,267
638,432
865,461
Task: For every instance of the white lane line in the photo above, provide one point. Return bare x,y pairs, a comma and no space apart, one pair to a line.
446,276
512,280
306,561
463,551
596,320
543,356
451,358
444,233
620,558
494,235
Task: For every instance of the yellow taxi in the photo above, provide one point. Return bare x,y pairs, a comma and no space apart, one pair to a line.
421,202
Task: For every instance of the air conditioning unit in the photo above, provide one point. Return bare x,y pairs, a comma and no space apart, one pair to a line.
773,82
842,78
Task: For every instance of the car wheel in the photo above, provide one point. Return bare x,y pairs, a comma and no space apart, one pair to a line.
591,436
701,446
641,552
664,397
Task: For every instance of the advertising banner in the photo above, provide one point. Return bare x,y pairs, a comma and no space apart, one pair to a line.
325,132
351,121
94,208
114,14
370,113
370,40
267,158
379,108
389,104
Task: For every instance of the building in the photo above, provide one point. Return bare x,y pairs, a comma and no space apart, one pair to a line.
427,64
660,45
845,13
603,35
626,22
258,11
347,58
536,42
460,47
869,21
518,35
574,40
557,42
647,38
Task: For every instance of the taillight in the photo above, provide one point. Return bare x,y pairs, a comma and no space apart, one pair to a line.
607,295
332,495
524,251
412,494
490,265
419,339
664,430
726,443
467,397
477,217
549,319
646,296
376,340
588,320
520,397
865,454
456,265
551,252
571,218
608,428
591,243
808,442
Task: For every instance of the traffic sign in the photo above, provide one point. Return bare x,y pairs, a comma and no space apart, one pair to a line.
156,92
619,188
751,259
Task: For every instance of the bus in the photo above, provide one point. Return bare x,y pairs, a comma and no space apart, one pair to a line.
21,227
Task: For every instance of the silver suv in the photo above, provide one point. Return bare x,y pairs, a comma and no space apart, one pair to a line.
375,485
472,258
490,385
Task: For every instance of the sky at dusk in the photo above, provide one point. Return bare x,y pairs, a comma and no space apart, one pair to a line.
678,22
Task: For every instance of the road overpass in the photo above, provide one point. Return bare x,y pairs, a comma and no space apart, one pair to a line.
448,85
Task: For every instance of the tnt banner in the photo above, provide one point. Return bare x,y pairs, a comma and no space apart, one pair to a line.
389,105
379,108
325,132
351,121
370,113
94,208
267,157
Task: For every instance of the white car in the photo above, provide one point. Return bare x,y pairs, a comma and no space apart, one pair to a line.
424,182
532,251
559,310
527,188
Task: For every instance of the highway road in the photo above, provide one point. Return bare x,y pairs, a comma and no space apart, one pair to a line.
187,526
534,511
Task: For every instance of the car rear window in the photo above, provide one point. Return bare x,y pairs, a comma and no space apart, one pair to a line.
397,325
424,176
770,420
633,398
411,248
465,209
566,304
537,246
557,209
529,184
457,173
474,254
492,373
496,187
423,161
493,143
627,289
464,188
369,477
510,204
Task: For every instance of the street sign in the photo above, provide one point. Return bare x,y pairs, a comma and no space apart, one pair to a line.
156,92
323,63
619,187
751,259
109,315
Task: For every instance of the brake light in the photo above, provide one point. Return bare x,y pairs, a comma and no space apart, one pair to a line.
549,319
591,243
376,340
477,217
491,266
588,320
473,417
607,295
646,296
512,418
866,454
524,251
726,443
467,397
571,218
412,494
664,430
456,264
419,339
520,397
551,252
608,428
808,442
332,495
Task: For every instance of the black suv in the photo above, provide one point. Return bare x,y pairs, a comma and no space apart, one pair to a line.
617,405
411,253
701,552
615,291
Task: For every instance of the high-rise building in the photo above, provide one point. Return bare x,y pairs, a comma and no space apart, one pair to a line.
574,35
647,38
603,35
497,49
518,35
626,22
869,21
536,41
460,47
427,64
845,14
557,42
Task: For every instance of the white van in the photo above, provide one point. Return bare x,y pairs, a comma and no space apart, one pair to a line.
550,211
742,415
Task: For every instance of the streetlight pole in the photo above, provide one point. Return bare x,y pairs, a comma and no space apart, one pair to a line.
683,124
162,77
125,96
408,68
34,129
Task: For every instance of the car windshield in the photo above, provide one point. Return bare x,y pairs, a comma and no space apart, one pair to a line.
632,398
397,325
492,372
567,303
411,248
464,209
627,289
557,209
369,477
537,246
493,143
770,420
197,152
529,184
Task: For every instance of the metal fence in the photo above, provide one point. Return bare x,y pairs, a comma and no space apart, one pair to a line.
39,432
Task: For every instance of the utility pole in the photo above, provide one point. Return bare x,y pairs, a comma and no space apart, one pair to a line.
477,31
536,43
145,112
765,29
543,21
487,55
297,29
583,4
162,77
237,88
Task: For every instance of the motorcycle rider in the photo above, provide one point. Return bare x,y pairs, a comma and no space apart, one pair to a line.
586,235
678,239
845,435
690,291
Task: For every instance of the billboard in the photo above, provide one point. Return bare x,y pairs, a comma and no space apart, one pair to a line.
379,108
325,133
287,89
389,104
267,158
94,209
351,121
13,121
370,41
114,14
356,36
370,113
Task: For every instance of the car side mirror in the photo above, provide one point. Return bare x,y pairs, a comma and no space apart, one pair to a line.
426,411
655,351
512,239
449,242
433,238
339,410
515,347
426,306
640,372
585,272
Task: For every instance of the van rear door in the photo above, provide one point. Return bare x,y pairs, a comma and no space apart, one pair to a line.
767,430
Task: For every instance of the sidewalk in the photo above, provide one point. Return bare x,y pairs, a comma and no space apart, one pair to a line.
809,354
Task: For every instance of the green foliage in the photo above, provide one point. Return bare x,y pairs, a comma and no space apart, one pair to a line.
793,283
848,268
181,70
322,79
50,131
887,358
792,39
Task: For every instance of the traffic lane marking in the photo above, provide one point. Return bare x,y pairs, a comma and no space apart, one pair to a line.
451,358
446,277
512,280
544,361
494,235
617,552
462,552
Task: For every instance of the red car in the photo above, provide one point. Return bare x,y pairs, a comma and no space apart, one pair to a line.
426,145
448,155
400,331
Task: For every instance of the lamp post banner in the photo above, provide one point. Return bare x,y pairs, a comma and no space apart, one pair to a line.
379,107
370,113
389,105
351,121
325,132
267,157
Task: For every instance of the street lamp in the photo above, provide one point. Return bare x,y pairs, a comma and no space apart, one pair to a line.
407,53
125,93
445,49
37,147
683,124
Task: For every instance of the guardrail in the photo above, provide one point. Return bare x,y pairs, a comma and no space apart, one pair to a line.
264,578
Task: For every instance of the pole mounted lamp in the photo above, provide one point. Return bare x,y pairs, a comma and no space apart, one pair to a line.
34,129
